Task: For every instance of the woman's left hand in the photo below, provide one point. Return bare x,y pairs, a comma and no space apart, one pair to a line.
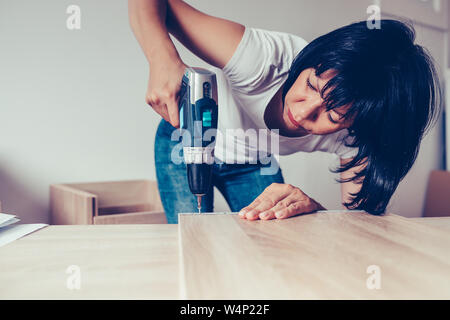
279,201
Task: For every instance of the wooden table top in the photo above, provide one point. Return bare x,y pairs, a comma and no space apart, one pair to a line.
142,261
115,262
442,223
331,255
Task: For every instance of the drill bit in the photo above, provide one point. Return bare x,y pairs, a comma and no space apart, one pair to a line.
199,203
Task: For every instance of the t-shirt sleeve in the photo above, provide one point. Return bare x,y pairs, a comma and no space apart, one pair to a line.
261,58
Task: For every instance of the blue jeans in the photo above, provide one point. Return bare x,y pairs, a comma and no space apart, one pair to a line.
240,184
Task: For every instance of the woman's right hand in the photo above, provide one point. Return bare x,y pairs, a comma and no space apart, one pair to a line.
164,86
212,39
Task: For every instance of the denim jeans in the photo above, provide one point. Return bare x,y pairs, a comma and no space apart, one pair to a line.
240,184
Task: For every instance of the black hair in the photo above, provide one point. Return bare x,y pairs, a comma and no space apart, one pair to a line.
393,91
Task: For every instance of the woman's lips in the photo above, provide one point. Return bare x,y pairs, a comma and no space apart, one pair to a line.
291,117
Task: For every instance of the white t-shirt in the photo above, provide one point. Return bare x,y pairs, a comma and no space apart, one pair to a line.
256,71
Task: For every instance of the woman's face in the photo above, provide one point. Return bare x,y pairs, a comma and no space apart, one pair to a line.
304,110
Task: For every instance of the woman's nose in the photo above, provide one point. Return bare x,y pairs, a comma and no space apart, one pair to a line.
309,110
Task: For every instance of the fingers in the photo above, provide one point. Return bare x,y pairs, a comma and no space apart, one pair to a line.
278,210
173,111
279,201
155,103
266,200
163,89
257,206
294,208
166,107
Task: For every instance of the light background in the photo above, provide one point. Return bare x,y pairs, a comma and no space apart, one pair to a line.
72,102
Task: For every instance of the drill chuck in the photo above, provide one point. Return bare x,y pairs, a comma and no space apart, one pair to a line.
199,178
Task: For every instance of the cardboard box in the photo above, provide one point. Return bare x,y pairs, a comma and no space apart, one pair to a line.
437,201
120,202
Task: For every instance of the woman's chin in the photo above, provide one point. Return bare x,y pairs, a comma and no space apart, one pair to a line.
293,131
295,128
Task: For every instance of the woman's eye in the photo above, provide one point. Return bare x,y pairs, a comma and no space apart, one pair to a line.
310,85
331,119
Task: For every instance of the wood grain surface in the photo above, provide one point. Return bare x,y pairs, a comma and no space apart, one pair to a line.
115,262
438,222
323,255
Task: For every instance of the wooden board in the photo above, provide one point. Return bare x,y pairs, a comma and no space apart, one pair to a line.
115,262
132,218
316,256
442,223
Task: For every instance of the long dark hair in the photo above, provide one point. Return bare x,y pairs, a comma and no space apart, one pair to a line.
393,91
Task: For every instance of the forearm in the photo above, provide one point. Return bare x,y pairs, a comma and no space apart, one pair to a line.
148,22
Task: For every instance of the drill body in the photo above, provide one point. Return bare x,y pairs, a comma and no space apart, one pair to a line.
198,122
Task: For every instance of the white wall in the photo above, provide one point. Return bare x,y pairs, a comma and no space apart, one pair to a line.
72,102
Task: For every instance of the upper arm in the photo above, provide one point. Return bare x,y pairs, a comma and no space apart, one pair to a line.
210,38
347,188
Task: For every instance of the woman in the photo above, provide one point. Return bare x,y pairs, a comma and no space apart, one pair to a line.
366,95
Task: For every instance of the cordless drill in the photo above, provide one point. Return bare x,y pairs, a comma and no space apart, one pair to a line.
198,122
